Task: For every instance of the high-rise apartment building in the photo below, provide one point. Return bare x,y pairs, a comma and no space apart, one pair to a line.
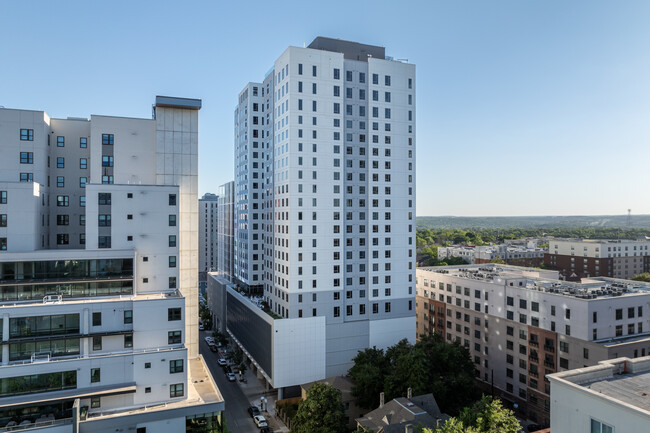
521,324
208,225
580,258
98,273
324,210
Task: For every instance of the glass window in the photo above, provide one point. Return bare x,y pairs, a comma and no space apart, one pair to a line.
26,157
175,366
83,163
83,142
60,162
172,220
128,317
128,340
95,375
27,135
107,139
60,141
176,390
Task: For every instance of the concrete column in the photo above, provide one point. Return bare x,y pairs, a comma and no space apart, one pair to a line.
280,393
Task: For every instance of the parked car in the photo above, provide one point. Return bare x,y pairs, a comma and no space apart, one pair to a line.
260,421
209,340
201,327
221,362
213,347
266,430
254,410
232,378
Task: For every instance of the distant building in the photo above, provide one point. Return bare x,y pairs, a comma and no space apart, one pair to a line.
225,230
404,415
511,254
344,385
610,397
208,224
520,324
617,258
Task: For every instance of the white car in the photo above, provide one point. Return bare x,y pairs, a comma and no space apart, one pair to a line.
209,340
201,327
221,362
260,421
232,377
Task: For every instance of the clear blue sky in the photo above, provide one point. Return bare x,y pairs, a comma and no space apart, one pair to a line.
523,107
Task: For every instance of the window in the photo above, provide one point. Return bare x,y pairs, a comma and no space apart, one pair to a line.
3,220
172,282
62,201
26,177
95,375
104,242
174,337
175,366
83,163
107,180
60,141
172,261
3,244
97,319
62,239
173,314
3,197
107,161
128,317
97,343
172,199
107,139
128,340
104,221
619,314
600,427
61,220
83,142
26,135
172,240
172,220
337,74
60,162
387,80
82,182
104,198
95,402
176,390
26,157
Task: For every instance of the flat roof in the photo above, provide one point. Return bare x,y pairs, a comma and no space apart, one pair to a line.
174,102
623,380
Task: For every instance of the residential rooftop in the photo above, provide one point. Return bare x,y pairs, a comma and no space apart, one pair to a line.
544,280
623,380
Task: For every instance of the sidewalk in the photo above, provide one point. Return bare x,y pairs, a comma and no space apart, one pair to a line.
253,390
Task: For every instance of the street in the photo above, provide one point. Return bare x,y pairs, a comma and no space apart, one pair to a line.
236,413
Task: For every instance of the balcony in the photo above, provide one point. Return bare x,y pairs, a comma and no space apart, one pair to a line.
533,343
549,348
533,374
549,363
533,358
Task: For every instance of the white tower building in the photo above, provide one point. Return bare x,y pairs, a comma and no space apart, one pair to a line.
98,273
208,224
325,209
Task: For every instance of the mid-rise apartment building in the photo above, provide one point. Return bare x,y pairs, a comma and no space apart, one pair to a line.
517,255
208,225
99,329
324,210
520,324
580,258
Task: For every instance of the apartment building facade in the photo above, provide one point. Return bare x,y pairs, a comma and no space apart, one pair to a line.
325,206
520,324
580,258
208,226
99,328
510,254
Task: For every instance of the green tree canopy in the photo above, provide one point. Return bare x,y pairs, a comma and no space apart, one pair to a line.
429,366
485,416
321,412
642,277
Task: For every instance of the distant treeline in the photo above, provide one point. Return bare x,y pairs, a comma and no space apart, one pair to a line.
536,222
483,236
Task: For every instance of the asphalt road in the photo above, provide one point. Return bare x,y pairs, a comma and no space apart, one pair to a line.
236,413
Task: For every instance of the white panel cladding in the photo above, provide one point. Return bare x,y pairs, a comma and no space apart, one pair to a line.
298,351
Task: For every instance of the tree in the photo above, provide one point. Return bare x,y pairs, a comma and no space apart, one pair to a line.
642,277
485,416
429,366
320,412
367,373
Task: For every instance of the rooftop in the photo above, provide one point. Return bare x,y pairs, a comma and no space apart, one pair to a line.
622,380
394,416
544,281
350,50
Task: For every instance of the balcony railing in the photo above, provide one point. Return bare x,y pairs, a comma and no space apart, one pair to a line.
549,348
533,374
533,343
533,358
549,363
